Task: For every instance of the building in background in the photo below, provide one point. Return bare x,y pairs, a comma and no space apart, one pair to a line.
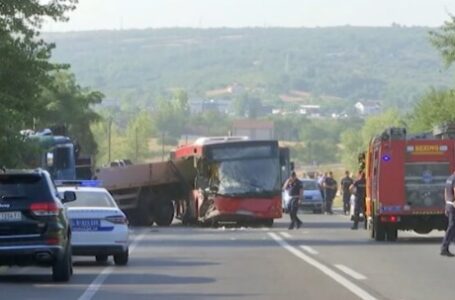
254,129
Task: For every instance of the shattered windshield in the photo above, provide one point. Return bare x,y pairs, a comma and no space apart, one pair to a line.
248,176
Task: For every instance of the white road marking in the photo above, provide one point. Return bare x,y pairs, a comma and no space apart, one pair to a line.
355,289
309,250
98,281
286,235
351,272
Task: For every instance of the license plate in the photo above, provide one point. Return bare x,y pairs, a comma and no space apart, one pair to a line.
85,224
9,216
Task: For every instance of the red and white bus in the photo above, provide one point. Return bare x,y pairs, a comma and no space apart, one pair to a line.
235,180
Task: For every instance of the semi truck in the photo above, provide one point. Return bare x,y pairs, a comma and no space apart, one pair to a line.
405,179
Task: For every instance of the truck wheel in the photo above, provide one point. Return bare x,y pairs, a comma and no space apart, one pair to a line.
392,234
164,213
143,214
379,231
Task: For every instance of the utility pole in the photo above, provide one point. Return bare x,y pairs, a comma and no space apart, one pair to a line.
109,132
162,146
136,143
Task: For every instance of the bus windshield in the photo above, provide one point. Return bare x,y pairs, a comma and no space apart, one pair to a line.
247,176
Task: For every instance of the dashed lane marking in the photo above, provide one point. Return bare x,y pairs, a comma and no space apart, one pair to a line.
309,250
350,272
352,287
98,281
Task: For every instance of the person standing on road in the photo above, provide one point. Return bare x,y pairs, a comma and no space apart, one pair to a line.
330,191
450,212
360,193
295,189
345,184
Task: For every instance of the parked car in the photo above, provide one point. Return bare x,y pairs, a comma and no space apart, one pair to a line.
34,227
312,198
100,228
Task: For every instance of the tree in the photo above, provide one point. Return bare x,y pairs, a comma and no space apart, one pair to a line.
444,40
376,124
353,143
435,108
171,116
138,134
64,103
24,67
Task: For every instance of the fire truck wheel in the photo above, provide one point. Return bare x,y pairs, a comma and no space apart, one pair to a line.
392,234
164,213
379,231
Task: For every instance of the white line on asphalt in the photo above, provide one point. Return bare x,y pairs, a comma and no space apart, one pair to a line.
351,272
309,250
286,235
355,289
98,281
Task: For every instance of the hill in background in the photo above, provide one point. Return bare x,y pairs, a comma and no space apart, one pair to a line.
339,65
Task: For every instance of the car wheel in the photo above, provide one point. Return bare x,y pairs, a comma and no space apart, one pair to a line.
61,269
122,258
101,258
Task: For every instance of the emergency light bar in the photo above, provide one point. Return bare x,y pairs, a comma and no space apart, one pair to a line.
81,183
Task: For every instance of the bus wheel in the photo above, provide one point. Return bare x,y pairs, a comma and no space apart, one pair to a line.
392,234
379,231
268,223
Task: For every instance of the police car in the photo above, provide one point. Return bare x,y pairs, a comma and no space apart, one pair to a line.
99,227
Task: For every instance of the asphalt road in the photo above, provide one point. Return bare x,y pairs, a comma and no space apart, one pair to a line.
322,260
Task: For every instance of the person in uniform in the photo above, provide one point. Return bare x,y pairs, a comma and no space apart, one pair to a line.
295,189
450,212
330,191
360,193
346,183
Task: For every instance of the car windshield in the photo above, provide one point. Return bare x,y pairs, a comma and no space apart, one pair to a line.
309,185
91,199
247,176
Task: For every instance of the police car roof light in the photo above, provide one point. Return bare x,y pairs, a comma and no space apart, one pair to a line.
81,183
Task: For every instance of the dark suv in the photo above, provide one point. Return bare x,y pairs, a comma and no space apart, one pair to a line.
34,228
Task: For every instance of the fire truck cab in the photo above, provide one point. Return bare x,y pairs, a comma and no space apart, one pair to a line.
405,178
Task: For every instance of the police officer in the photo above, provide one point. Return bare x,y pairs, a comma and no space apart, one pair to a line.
330,191
346,183
450,212
360,193
295,190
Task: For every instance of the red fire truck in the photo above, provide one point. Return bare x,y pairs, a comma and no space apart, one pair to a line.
236,180
405,178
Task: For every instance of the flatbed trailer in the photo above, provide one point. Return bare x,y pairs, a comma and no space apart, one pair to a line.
148,193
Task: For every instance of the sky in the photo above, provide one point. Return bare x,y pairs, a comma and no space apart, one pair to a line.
129,14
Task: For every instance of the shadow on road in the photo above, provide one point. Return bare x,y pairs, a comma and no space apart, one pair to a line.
26,278
175,296
148,262
114,278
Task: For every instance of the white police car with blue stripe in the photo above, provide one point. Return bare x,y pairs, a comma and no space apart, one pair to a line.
99,227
